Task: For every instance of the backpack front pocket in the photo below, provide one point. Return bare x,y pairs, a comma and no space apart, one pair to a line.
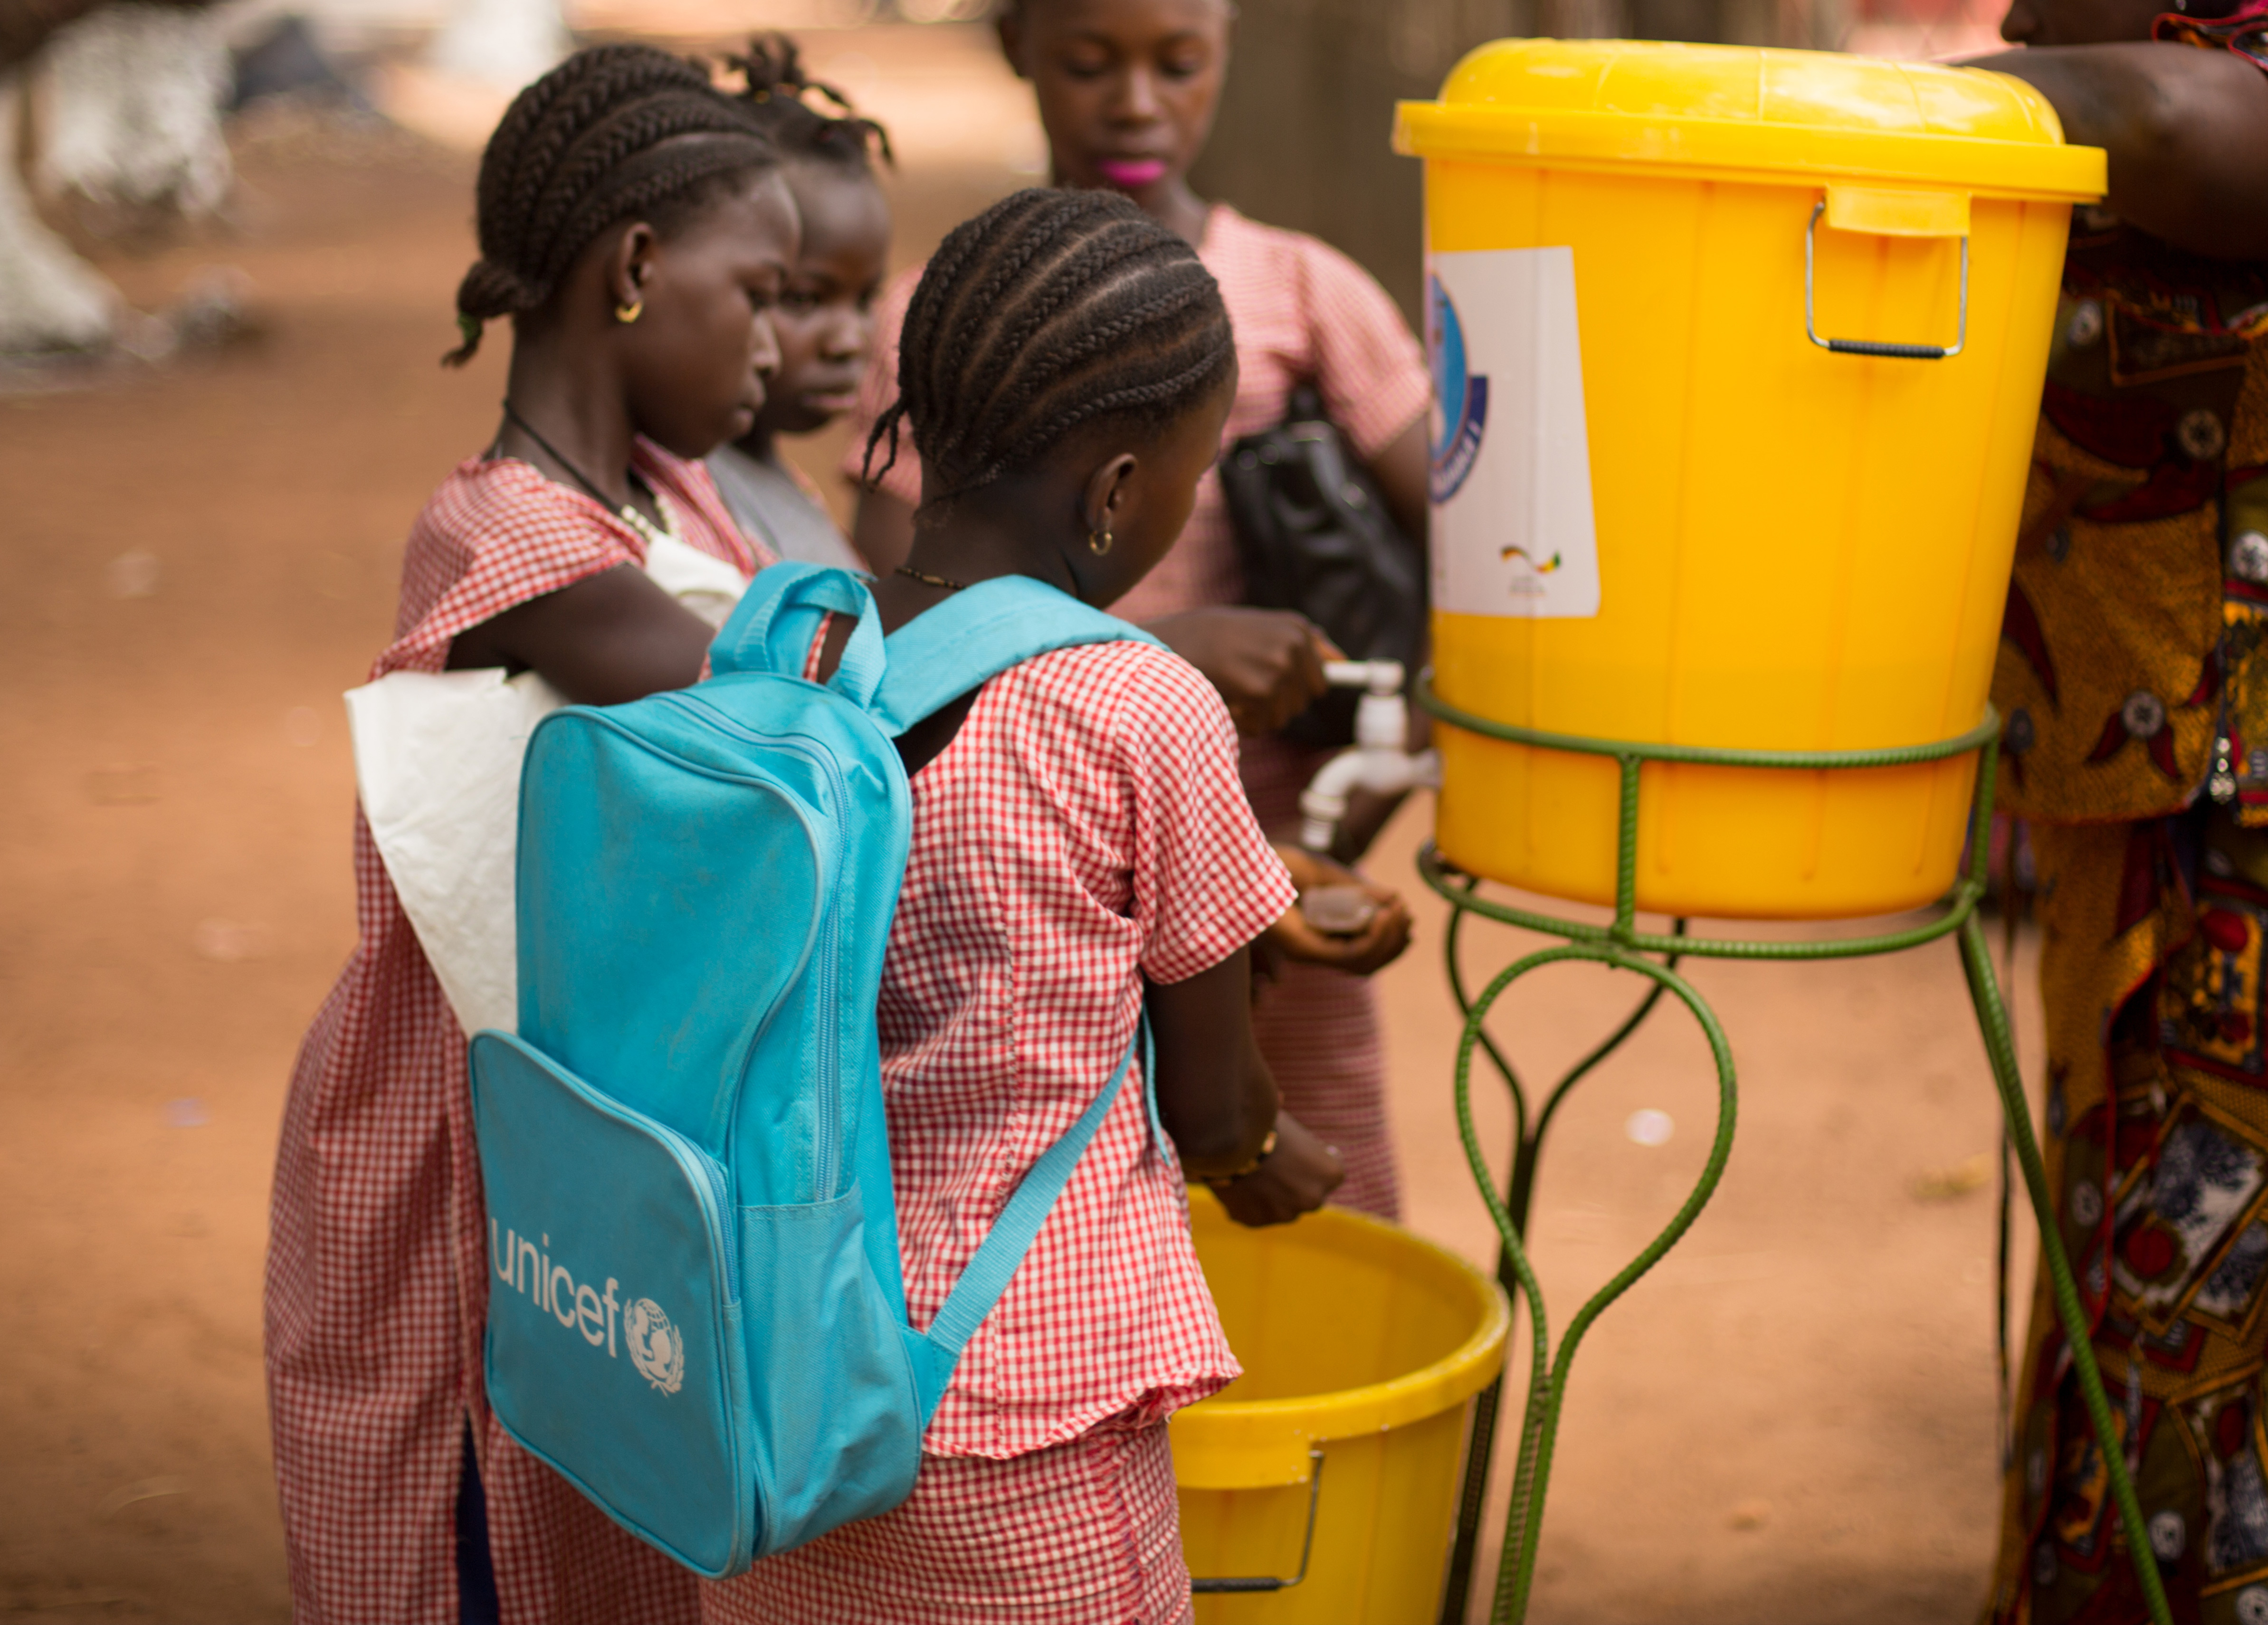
614,1349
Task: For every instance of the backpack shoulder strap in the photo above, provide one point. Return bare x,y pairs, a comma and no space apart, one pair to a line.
979,633
772,627
1012,1233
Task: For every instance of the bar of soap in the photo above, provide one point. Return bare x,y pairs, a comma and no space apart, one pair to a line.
1338,910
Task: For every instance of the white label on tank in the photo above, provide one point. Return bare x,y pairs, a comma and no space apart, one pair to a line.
1512,532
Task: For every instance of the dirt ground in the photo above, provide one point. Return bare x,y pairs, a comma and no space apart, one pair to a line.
1790,1422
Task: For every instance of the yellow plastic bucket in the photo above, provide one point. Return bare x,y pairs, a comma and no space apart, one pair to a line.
1362,1348
1666,512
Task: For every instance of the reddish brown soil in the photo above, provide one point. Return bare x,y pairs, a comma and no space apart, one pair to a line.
1792,1422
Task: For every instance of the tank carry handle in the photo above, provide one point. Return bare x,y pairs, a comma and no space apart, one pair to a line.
1890,214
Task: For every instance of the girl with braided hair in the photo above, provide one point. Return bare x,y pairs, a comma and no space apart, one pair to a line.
1081,849
634,227
826,315
1126,91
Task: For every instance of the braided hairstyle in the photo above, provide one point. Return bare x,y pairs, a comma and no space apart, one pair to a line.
614,132
780,93
1050,310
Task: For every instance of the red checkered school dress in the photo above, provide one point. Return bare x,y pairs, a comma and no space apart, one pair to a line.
376,1287
1084,830
1301,310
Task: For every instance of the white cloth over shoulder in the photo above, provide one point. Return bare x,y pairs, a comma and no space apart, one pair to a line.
437,758
702,583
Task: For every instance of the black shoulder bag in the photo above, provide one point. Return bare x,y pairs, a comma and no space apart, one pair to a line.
1313,536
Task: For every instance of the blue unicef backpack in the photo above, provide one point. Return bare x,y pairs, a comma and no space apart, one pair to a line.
695,1313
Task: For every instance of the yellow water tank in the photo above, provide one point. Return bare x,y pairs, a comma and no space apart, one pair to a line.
1335,1459
1738,354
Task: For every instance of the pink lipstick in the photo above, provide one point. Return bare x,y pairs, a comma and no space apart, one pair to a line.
1132,174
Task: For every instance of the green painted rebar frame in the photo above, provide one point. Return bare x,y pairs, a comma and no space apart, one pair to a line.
1653,955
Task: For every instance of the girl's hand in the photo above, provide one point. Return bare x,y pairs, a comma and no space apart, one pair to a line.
1268,664
1377,943
1293,1178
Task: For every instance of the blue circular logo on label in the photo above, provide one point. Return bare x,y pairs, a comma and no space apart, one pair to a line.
1464,398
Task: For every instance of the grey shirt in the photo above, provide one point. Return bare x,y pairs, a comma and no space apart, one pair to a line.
767,503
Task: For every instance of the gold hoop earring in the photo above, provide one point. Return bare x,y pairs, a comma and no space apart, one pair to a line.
1098,542
628,313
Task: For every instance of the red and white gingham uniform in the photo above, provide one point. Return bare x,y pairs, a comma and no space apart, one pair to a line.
1084,830
1084,1532
376,1287
1302,310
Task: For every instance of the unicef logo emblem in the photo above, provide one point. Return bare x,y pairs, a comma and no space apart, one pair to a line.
657,1348
1462,398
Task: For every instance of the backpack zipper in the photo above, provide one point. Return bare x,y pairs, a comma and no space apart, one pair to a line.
829,1154
826,1134
712,1174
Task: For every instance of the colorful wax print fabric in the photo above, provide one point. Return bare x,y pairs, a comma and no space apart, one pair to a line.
2133,687
2157,1116
2131,677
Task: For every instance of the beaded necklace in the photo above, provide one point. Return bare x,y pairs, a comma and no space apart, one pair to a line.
665,530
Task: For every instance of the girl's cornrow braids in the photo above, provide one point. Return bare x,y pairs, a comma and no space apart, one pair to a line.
985,344
1045,363
1049,362
998,379
584,199
1051,310
521,171
613,77
514,166
985,293
547,118
544,116
569,180
1105,251
925,399
961,253
965,314
675,170
613,131
1188,383
670,179
1183,368
1043,413
1091,260
1128,402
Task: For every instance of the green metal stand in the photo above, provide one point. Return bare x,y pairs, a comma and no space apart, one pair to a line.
1655,956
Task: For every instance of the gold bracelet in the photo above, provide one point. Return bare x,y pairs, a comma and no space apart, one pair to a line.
1267,1149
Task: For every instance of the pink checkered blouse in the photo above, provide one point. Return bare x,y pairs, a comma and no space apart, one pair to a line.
1084,830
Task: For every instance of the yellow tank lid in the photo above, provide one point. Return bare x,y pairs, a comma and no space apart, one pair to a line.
1740,111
